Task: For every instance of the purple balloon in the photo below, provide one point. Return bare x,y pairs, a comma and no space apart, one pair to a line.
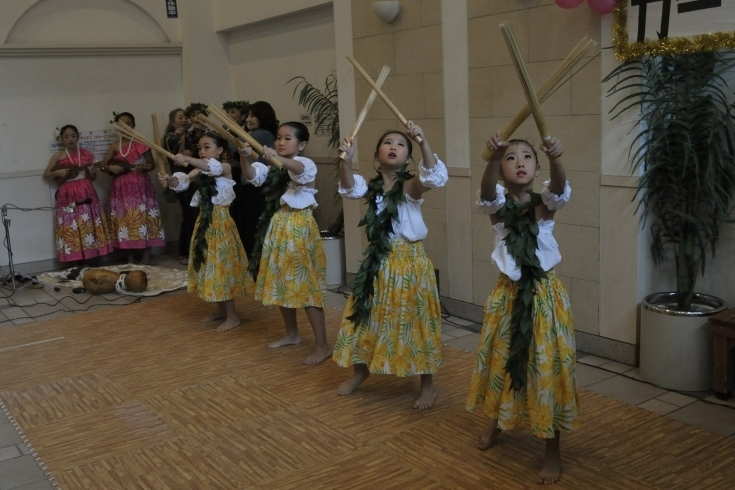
568,4
602,7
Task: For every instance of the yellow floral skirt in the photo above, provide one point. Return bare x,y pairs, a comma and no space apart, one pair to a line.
403,336
549,401
224,275
293,267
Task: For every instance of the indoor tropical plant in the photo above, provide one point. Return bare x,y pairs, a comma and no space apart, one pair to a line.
684,157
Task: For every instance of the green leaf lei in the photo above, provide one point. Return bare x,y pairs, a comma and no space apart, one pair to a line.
275,186
207,187
522,243
378,226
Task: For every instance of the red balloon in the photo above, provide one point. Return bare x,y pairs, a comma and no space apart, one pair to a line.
568,4
602,7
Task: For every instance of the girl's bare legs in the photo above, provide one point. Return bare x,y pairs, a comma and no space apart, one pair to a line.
360,375
428,392
551,472
487,439
292,330
218,313
231,320
146,256
322,351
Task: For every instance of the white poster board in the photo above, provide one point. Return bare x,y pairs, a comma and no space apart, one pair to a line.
96,142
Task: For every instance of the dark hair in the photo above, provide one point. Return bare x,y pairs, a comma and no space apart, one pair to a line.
392,131
171,116
302,132
68,126
118,116
218,140
517,141
266,116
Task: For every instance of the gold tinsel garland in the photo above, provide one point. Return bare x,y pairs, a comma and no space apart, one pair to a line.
677,45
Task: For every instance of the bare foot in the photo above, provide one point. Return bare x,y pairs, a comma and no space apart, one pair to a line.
229,324
320,355
216,315
351,384
426,397
551,471
487,439
286,340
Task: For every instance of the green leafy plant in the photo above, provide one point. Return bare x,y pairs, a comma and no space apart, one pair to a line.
684,154
322,105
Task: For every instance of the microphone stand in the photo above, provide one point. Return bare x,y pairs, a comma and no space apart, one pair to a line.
10,277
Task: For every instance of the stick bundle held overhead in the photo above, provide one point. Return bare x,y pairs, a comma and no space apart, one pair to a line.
380,93
368,104
234,127
157,139
225,134
533,102
545,91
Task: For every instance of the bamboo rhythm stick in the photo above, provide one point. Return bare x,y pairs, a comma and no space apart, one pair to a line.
133,134
520,65
371,98
157,138
223,132
380,93
225,119
545,91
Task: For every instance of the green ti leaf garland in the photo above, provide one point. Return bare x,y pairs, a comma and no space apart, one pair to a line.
378,226
522,243
275,186
207,187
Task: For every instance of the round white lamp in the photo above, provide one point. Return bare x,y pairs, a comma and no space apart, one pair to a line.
387,11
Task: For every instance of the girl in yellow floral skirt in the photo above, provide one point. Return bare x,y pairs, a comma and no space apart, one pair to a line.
218,264
392,323
288,260
525,365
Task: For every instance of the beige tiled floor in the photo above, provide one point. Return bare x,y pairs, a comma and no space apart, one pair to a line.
19,470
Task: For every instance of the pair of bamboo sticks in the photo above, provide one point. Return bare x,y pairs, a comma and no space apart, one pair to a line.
534,99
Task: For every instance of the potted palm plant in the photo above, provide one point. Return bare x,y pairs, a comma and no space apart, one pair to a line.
684,157
322,105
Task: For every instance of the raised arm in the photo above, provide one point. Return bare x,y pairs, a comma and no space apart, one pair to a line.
492,169
432,173
558,177
347,178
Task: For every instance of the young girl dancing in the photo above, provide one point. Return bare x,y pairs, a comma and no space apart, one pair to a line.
525,367
81,227
392,322
288,260
218,265
135,217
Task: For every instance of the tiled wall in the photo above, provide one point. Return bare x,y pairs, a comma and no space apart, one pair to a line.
412,46
546,34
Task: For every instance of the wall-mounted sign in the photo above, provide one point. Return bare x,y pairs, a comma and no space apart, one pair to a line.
172,9
96,142
661,27
305,119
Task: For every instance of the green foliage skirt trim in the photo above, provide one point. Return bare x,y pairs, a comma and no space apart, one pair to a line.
378,226
207,189
522,243
275,186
